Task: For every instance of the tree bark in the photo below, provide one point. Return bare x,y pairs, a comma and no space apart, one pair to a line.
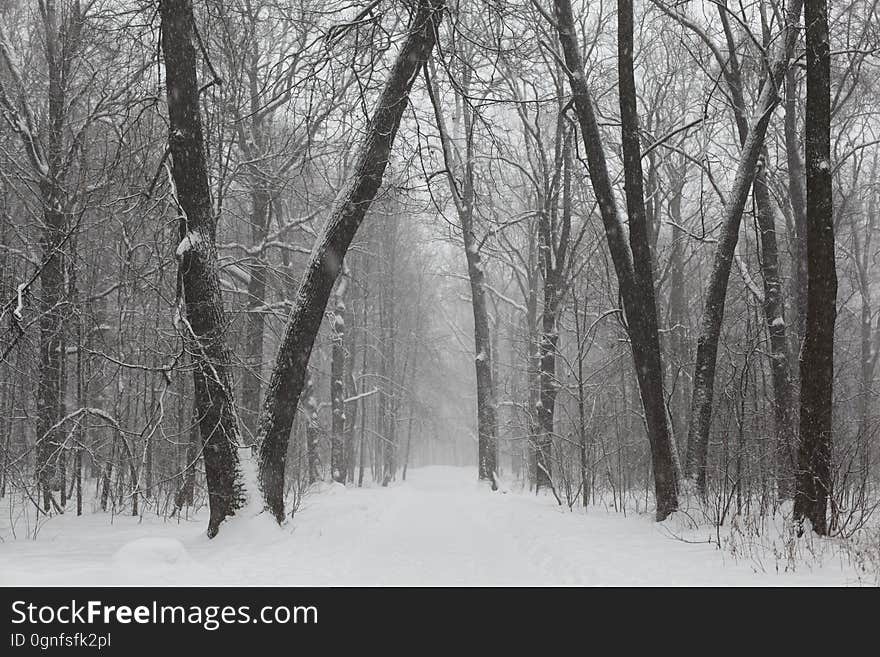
774,316
797,199
338,464
817,355
773,303
325,263
205,323
553,254
679,316
464,200
641,323
251,384
713,312
313,429
487,448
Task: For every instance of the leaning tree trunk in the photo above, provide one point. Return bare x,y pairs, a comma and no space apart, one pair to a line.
325,263
817,355
713,312
642,325
198,280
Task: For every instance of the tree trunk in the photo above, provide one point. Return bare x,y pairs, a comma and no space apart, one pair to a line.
534,361
797,198
326,261
487,448
53,300
817,355
255,318
351,413
642,325
52,347
338,465
205,323
388,369
713,312
774,316
774,307
310,410
186,493
546,406
553,254
487,423
679,317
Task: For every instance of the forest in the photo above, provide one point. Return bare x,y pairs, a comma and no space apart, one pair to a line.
559,262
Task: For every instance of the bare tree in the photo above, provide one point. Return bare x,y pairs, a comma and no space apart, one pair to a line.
325,263
713,312
204,324
817,354
635,281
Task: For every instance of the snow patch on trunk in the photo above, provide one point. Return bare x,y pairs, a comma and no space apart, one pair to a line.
190,242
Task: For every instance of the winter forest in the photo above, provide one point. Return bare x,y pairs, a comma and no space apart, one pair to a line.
440,291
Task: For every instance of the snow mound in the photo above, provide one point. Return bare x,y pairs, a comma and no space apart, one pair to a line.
151,552
327,488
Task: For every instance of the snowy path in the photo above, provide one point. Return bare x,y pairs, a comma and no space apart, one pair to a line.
438,528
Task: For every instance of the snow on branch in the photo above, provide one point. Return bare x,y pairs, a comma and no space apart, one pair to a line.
275,238
22,122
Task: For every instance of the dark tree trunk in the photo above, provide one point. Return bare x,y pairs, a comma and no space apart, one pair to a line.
817,355
325,264
205,324
351,411
643,327
486,421
638,303
53,299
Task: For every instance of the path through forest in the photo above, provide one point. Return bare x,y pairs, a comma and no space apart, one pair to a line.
437,528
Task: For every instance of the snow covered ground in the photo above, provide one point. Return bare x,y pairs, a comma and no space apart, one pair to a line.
437,528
